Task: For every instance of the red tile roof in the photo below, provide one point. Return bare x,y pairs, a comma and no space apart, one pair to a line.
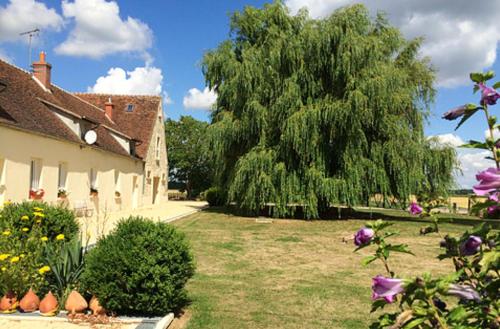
25,105
139,123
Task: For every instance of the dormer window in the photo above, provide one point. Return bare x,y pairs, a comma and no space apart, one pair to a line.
130,108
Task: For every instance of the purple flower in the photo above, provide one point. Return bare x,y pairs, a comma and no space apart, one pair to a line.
488,95
386,288
471,245
492,210
463,292
455,113
363,236
415,209
489,181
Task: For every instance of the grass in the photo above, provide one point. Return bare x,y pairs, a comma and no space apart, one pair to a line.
291,273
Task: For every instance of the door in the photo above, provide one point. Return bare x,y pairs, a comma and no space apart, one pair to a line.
156,186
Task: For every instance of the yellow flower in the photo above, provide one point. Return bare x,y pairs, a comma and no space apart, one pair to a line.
38,214
25,217
60,237
4,269
44,238
7,232
38,209
4,256
14,259
38,221
44,269
6,203
25,229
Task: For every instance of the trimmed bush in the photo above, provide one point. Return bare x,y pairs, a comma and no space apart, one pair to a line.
140,268
215,197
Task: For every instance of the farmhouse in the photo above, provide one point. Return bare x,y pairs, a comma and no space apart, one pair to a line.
88,151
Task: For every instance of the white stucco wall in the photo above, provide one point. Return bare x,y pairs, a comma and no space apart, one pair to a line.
18,148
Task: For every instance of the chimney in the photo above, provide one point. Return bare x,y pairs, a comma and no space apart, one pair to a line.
108,108
41,71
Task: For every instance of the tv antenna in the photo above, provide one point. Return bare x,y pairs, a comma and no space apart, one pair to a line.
30,34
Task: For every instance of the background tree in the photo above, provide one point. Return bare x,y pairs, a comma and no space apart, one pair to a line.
321,112
187,154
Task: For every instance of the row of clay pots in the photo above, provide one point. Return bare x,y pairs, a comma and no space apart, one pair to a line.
75,303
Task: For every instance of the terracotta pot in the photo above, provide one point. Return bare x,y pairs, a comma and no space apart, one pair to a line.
30,302
96,308
8,303
75,303
49,305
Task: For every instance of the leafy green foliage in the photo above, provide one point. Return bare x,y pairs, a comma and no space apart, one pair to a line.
26,229
214,196
66,263
55,220
187,154
140,268
315,112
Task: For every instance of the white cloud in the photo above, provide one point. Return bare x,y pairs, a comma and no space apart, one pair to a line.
471,160
461,36
23,15
200,100
141,81
450,139
100,31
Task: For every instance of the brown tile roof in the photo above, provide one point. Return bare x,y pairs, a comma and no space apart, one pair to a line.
139,123
25,105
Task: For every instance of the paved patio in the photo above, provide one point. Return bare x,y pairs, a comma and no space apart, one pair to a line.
101,223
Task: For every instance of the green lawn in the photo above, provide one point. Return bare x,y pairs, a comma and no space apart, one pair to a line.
290,273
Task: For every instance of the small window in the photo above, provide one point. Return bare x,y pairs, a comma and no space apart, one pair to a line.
130,108
93,179
35,174
2,174
117,181
63,174
158,148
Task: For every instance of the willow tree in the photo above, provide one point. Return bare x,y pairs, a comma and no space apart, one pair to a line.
320,112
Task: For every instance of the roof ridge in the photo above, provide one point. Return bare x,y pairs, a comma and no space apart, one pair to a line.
119,95
15,66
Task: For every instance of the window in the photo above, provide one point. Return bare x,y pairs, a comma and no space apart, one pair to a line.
63,174
157,148
130,108
35,174
2,174
93,179
117,181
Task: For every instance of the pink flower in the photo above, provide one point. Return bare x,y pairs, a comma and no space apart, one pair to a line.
386,288
489,181
415,209
363,236
488,95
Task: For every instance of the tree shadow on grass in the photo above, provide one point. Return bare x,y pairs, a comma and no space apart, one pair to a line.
346,213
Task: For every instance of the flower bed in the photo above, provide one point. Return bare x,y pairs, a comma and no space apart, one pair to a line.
41,255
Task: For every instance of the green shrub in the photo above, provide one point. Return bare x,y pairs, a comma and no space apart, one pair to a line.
26,230
55,220
140,268
214,196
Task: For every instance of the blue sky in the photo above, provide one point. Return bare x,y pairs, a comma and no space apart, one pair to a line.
92,43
